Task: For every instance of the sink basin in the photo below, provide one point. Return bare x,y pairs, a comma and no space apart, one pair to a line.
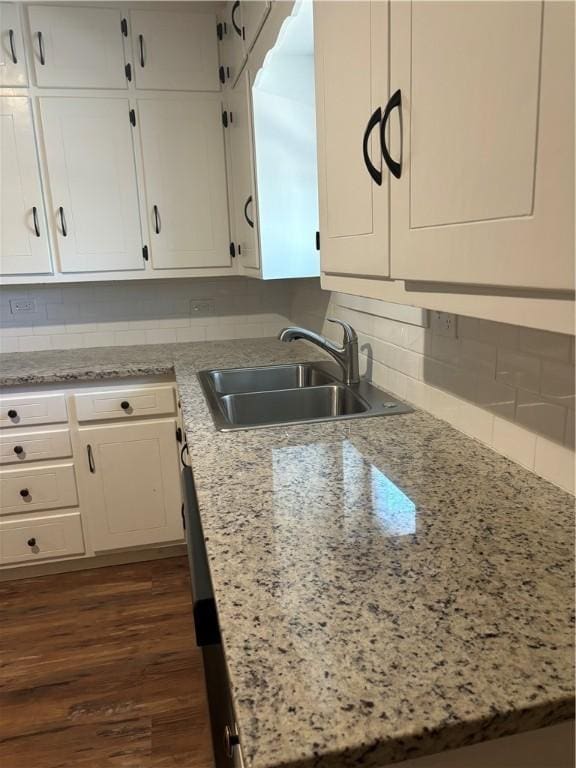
286,405
239,380
244,398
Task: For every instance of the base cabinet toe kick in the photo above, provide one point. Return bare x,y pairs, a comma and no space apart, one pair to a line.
88,469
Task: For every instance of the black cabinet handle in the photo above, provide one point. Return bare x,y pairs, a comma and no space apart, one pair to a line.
222,74
394,167
91,464
25,493
63,226
234,24
31,542
157,222
35,218
12,46
141,46
18,450
41,48
125,405
248,219
12,414
376,173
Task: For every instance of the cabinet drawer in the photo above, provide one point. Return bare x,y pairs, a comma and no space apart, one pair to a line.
125,403
32,489
19,447
28,410
28,538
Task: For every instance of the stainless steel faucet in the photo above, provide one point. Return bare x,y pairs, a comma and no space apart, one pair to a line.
346,356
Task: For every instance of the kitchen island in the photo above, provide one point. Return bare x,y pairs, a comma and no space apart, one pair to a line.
386,588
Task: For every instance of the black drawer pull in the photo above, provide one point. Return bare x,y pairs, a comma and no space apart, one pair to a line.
376,173
248,219
35,217
31,542
141,44
41,48
63,222
18,450
125,405
12,46
394,167
91,464
25,493
12,414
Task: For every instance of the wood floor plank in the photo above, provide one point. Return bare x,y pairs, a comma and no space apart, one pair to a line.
99,669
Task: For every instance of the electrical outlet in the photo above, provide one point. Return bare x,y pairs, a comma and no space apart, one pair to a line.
202,307
22,306
443,324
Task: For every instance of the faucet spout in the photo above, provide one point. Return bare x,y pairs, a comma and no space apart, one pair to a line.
346,355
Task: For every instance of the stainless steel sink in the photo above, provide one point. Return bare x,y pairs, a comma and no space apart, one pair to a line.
242,398
238,380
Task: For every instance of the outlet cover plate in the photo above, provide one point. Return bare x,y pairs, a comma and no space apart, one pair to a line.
443,324
22,306
202,307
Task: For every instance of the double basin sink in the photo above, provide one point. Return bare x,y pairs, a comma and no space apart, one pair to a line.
243,398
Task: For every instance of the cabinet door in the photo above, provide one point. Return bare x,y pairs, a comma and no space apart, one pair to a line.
175,50
24,247
486,194
351,90
185,180
77,47
92,182
132,487
242,192
12,59
254,14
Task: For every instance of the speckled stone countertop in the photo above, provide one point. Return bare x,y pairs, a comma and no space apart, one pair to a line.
387,588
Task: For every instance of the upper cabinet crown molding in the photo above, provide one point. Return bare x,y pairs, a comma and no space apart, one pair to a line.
77,47
175,50
12,55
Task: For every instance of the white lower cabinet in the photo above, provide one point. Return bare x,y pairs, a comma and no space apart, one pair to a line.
132,484
185,181
29,539
93,469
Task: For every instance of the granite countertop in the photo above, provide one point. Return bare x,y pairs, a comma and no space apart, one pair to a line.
386,588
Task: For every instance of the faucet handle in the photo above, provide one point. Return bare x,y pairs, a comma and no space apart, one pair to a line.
350,335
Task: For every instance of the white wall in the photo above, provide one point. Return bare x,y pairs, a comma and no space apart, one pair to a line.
151,312
510,387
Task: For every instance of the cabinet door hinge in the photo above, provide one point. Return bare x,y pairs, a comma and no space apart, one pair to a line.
133,117
317,241
145,253
124,27
128,72
225,119
232,250
178,435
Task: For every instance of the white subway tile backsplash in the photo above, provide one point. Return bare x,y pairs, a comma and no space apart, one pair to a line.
34,343
511,388
555,463
518,369
161,336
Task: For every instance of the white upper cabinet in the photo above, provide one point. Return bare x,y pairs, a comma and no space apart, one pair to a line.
486,191
232,47
24,244
12,59
77,47
185,181
253,13
242,191
92,182
351,59
175,50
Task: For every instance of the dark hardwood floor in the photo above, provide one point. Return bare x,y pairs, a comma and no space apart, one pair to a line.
99,669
